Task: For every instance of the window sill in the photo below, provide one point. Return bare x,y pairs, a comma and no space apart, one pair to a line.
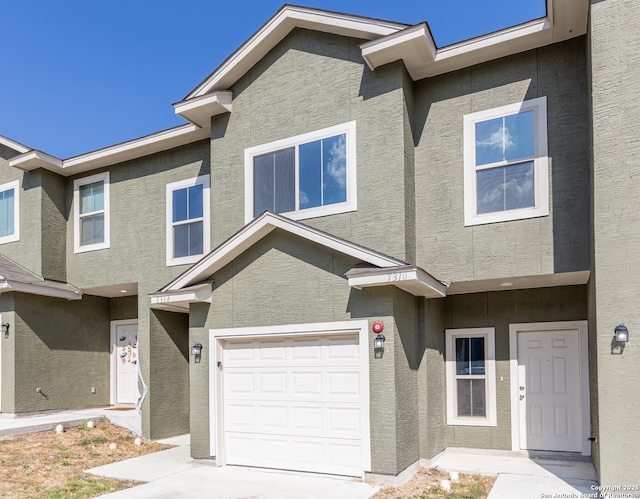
471,422
91,247
186,260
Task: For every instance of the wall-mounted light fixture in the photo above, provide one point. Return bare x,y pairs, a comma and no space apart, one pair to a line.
378,342
196,351
5,329
622,333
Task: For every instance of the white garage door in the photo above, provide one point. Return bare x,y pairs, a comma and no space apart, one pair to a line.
294,403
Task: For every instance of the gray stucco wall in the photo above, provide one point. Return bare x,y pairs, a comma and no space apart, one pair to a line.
7,352
277,100
431,378
61,347
447,248
498,310
169,374
614,58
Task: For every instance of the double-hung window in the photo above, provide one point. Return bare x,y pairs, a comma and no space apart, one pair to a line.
308,175
506,164
91,212
471,377
9,209
187,220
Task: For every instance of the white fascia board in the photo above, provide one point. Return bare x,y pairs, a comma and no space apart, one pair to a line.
144,146
12,144
415,45
277,28
200,109
36,159
256,230
566,19
40,289
411,279
181,298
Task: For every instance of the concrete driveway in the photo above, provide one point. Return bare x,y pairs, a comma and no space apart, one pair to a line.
172,474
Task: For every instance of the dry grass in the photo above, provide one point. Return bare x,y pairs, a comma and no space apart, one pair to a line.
51,465
426,485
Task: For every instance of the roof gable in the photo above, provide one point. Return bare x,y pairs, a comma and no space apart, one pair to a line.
259,228
195,285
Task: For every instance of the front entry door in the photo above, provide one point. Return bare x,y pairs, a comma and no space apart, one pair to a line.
549,390
126,351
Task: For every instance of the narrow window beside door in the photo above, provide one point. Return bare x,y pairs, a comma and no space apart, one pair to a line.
471,398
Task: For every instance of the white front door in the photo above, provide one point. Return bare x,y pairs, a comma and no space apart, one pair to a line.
126,362
549,390
294,403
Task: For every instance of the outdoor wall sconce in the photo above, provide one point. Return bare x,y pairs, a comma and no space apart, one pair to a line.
622,333
378,342
5,329
196,351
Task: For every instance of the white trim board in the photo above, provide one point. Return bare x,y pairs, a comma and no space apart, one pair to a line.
216,423
582,327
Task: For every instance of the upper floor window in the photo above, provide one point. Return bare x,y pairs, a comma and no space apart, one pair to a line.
309,175
9,209
471,377
187,220
505,163
91,212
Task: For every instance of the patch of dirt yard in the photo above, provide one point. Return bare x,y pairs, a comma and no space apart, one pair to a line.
426,485
51,465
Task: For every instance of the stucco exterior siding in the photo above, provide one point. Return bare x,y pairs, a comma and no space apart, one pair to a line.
168,374
138,221
614,59
275,100
61,347
499,310
431,392
555,243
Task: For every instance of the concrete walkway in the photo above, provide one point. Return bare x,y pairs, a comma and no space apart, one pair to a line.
521,476
32,423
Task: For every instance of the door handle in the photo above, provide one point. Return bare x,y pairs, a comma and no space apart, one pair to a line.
521,397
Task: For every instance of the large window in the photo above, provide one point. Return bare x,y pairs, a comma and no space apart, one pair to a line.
9,209
506,164
304,176
187,220
91,212
470,371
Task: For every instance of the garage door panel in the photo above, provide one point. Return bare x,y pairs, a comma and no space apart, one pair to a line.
335,420
320,455
300,383
294,403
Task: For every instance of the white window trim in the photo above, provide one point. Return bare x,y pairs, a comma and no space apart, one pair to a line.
540,164
100,177
206,194
15,185
351,204
490,371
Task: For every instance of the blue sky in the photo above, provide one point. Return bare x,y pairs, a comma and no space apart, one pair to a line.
79,75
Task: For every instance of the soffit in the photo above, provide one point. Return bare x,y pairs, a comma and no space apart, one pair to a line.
14,277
